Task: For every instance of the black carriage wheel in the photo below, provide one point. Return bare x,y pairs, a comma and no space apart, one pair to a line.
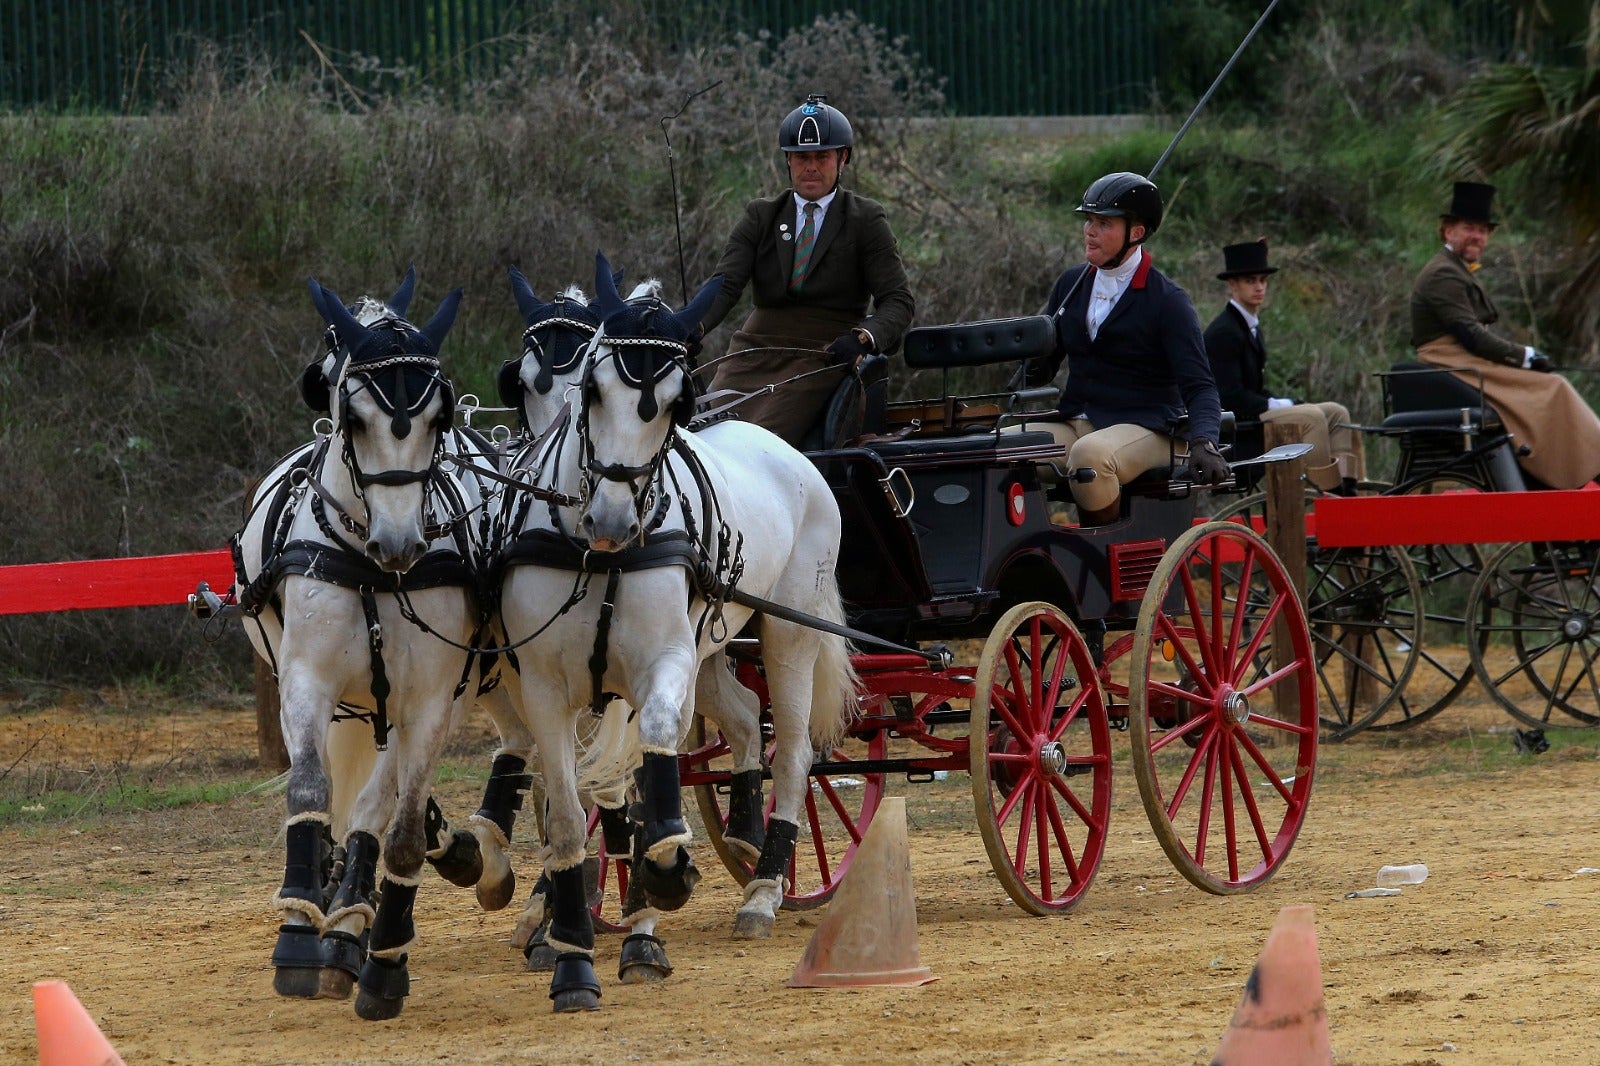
1366,626
1446,573
1040,756
837,810
1543,599
1223,708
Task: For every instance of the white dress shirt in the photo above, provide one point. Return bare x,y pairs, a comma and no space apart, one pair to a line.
1109,285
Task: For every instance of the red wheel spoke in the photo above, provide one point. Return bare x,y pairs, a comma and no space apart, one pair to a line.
1196,617
818,845
1203,827
1237,631
1064,844
1266,681
1072,800
999,703
1069,715
1171,735
825,786
1201,676
1035,662
1039,834
1274,778
1004,813
1248,794
1019,854
1187,778
1053,693
1263,628
1229,830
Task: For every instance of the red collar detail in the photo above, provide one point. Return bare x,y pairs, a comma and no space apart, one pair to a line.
1140,275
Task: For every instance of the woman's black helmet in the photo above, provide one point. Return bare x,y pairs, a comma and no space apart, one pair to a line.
815,126
1124,195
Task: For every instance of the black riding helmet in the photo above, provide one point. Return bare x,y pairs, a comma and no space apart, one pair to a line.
815,126
1125,195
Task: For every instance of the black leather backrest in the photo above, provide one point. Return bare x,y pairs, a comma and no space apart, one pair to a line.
999,340
1419,387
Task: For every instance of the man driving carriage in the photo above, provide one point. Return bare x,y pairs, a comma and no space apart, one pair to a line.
815,255
1136,361
1450,316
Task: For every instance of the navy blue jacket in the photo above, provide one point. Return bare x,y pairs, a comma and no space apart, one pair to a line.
1147,366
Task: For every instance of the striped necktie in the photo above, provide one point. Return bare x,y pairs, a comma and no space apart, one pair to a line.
802,249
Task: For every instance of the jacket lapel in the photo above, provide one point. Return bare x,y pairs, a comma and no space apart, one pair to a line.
1130,295
831,225
784,234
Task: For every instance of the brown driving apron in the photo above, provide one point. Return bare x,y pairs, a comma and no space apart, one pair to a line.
772,347
1542,411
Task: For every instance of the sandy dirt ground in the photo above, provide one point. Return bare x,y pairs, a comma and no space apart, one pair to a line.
161,924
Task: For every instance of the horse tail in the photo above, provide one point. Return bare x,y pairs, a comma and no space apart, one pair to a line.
833,678
607,754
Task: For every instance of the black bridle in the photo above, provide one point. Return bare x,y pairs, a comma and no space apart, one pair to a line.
643,479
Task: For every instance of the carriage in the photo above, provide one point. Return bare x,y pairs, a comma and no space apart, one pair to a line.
993,639
1405,613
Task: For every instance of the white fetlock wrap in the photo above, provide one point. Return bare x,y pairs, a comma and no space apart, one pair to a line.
303,907
393,954
643,914
487,833
664,852
364,910
564,948
756,884
320,817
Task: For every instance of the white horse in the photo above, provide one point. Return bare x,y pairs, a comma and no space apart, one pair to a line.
343,561
630,586
540,385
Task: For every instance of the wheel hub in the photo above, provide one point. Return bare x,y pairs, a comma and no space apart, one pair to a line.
1236,707
1053,758
1575,628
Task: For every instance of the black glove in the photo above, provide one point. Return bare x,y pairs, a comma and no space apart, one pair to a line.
1541,362
847,349
1206,464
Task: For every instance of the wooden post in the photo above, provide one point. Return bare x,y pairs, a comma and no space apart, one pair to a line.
1286,533
270,751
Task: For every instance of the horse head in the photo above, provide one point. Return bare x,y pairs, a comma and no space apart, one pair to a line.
553,343
637,389
383,380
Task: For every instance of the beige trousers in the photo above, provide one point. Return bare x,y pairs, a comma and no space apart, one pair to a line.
1336,450
1116,454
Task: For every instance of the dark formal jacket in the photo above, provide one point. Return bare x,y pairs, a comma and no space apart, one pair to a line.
1239,363
1147,365
855,259
1448,301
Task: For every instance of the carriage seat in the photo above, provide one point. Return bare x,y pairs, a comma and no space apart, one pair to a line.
1417,396
964,446
997,340
858,406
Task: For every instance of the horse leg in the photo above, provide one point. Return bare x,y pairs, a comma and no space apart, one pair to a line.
350,914
737,713
297,955
666,872
533,923
502,799
644,956
790,683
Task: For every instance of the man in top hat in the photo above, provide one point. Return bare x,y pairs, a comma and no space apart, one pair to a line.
1238,354
1450,316
815,256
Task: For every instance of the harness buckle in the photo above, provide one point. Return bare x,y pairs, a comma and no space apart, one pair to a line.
375,636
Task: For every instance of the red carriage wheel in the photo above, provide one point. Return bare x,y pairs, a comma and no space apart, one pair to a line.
1223,708
1040,756
838,807
605,876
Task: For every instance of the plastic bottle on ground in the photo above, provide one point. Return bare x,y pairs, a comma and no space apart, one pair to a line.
1414,874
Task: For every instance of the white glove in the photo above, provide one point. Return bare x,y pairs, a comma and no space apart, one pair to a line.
1275,402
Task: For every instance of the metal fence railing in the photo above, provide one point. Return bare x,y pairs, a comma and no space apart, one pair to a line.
997,57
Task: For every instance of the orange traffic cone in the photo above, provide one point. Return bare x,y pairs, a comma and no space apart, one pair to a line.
869,935
1281,1019
67,1035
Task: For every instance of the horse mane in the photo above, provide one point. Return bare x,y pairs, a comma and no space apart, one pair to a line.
649,288
573,293
370,311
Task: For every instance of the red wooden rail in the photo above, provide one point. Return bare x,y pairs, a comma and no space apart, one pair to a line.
1466,517
138,581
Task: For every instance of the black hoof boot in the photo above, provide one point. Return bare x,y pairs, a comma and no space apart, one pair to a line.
746,831
574,987
342,956
540,956
297,961
384,985
616,831
668,888
644,958
461,862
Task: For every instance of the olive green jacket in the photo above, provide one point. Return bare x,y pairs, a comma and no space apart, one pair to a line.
1448,301
855,260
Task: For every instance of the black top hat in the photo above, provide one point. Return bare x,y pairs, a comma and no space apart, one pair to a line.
1243,260
1471,203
